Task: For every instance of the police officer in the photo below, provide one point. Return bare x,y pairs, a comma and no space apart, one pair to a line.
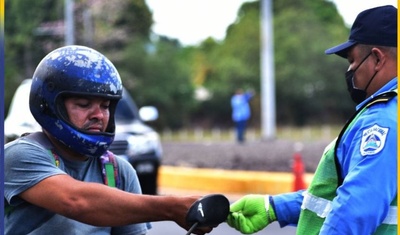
354,189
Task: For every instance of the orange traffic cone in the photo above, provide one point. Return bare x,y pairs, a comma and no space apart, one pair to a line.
298,172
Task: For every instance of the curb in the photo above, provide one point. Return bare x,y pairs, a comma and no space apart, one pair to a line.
228,181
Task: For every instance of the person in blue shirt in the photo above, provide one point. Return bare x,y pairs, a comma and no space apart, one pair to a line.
54,180
241,112
354,189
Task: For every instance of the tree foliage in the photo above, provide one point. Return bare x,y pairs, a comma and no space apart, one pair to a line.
303,72
158,76
308,83
233,63
24,45
158,71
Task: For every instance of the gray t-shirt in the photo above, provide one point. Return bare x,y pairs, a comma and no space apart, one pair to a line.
27,162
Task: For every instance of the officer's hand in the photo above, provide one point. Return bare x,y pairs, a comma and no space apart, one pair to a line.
251,214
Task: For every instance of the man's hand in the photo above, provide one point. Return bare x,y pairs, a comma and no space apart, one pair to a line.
181,208
251,214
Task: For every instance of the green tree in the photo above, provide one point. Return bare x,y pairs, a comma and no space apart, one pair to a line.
32,30
163,73
308,83
227,65
24,43
117,22
157,75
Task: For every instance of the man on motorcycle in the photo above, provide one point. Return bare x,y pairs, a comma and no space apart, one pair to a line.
55,180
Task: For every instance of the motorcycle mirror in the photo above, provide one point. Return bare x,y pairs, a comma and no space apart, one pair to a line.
209,210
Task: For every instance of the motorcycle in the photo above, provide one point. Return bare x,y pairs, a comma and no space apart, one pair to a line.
208,211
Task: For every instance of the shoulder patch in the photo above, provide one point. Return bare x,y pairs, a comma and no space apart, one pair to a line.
373,140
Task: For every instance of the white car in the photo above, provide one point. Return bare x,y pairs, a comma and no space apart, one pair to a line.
134,140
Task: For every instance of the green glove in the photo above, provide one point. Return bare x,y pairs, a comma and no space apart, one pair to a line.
251,213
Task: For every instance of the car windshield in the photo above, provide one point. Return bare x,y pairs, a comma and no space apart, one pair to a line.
126,109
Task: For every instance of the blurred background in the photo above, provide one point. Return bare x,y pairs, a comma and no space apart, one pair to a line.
186,58
190,77
191,84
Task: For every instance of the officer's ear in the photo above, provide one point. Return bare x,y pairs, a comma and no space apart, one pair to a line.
380,58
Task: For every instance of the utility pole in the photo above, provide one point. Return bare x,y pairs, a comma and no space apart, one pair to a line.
268,116
88,27
69,22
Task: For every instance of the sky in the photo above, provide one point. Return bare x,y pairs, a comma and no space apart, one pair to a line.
210,18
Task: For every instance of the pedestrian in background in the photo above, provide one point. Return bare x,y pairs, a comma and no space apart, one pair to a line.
354,189
241,112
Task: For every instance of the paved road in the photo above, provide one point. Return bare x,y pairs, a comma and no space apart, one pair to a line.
170,228
264,156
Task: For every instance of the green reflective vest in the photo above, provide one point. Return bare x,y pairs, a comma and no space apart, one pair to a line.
318,197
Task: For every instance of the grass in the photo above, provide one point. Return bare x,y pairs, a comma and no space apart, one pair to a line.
308,133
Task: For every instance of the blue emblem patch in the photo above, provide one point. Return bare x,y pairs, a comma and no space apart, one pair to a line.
373,140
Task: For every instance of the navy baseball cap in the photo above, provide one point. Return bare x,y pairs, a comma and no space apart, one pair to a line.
375,26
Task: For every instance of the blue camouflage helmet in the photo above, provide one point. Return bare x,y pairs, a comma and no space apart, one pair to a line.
74,71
